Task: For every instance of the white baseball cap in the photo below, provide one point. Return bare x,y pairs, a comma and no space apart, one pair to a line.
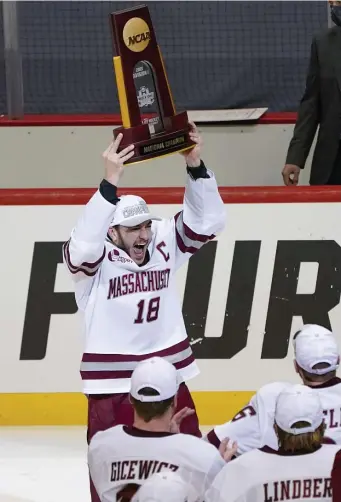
298,403
313,345
156,373
165,486
132,210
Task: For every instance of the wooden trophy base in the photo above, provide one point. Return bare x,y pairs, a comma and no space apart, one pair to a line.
174,138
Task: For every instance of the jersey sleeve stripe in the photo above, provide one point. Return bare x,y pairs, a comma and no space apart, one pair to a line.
87,268
85,264
213,438
105,375
181,245
186,362
116,358
187,240
196,237
188,232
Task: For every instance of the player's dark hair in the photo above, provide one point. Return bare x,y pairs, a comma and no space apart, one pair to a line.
307,442
312,377
146,410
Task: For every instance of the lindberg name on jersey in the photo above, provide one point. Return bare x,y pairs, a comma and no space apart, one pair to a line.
298,489
140,282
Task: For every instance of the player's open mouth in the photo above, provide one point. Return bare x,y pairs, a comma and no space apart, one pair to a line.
139,250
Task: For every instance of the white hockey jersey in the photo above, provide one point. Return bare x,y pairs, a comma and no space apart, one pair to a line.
252,427
133,312
121,458
267,476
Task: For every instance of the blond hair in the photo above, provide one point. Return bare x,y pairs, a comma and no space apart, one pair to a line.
309,441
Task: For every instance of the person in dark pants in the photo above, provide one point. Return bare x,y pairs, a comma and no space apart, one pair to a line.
320,106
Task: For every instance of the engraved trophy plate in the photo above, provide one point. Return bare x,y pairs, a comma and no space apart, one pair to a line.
147,97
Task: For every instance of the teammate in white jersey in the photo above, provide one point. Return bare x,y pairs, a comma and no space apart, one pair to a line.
123,457
301,469
123,261
316,361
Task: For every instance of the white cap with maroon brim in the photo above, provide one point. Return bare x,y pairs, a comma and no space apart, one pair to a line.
298,403
165,486
314,345
131,211
158,374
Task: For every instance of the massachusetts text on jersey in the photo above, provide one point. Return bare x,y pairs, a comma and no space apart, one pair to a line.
148,280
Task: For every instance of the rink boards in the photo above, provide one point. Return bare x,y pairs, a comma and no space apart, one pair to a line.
276,266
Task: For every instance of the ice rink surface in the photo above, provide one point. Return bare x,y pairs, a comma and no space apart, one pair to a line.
44,464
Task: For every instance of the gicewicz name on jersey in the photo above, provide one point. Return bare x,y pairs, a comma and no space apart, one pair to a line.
123,455
126,470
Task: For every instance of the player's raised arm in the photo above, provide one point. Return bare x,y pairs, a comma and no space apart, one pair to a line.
203,214
84,252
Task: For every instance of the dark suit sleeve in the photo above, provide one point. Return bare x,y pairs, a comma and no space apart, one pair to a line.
308,114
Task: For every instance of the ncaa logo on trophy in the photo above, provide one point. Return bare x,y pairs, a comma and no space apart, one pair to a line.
136,34
149,118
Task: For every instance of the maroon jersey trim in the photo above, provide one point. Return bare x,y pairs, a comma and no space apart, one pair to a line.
112,375
87,268
134,431
330,383
118,358
284,453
